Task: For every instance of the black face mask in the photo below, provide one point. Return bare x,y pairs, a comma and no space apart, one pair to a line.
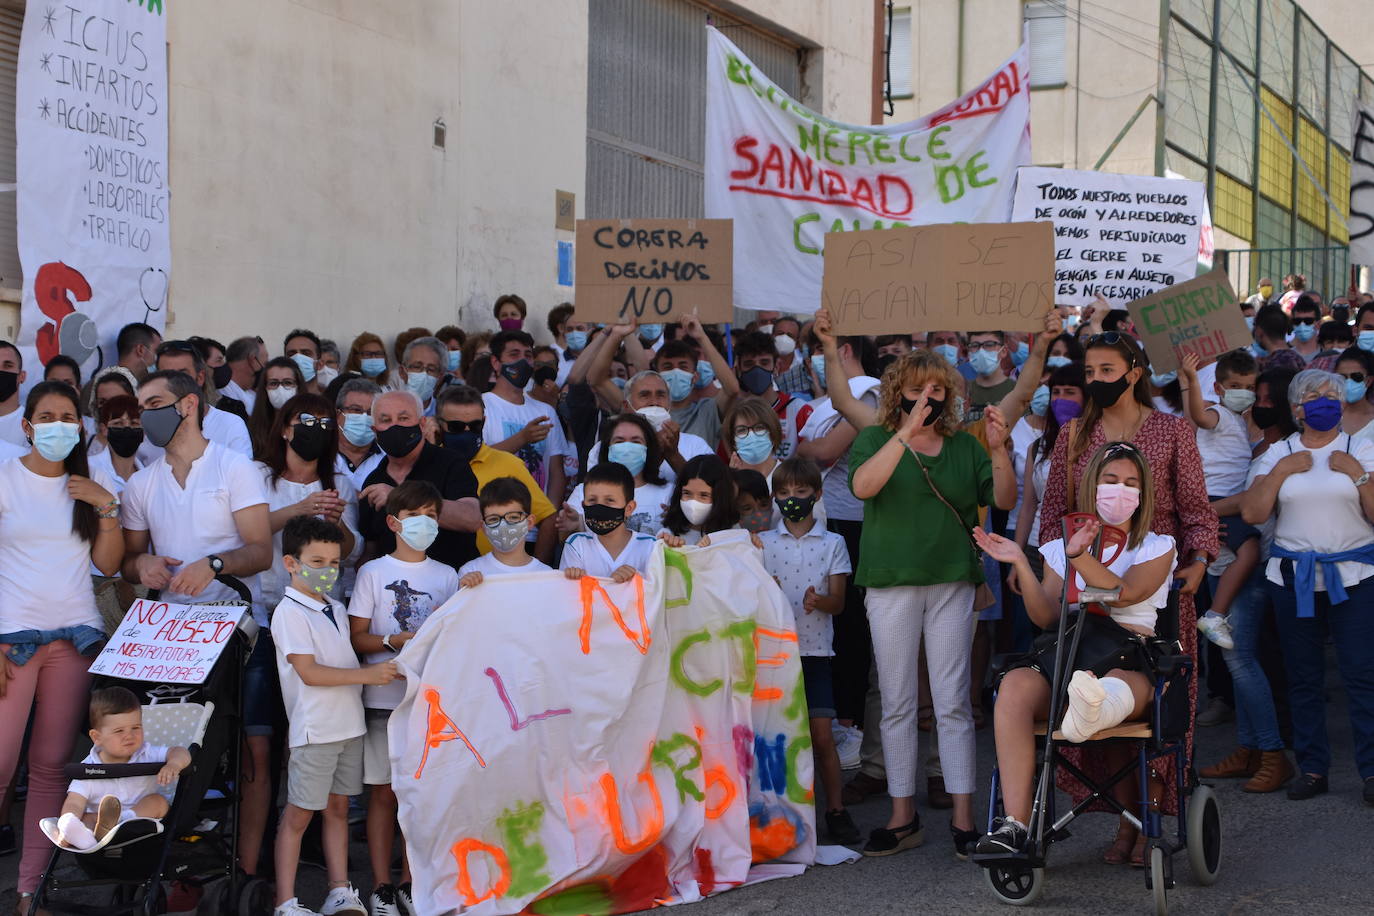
517,373
794,508
937,407
756,380
9,384
124,441
398,441
884,361
222,375
465,444
1266,417
309,441
545,374
1106,394
603,519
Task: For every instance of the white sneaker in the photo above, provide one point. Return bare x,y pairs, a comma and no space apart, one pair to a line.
848,740
405,897
1216,628
293,907
343,900
1085,708
383,901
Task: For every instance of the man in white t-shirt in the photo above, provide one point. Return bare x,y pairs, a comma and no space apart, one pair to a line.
219,426
11,378
528,428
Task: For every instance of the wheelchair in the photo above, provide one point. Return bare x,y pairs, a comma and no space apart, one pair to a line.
1018,878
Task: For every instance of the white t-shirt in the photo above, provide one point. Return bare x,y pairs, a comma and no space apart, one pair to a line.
585,551
650,500
1225,451
1040,476
1206,382
219,426
130,790
488,564
790,427
397,597
198,520
1319,509
505,419
45,569
9,450
839,501
239,393
1144,613
103,462
1023,435
802,563
689,445
12,428
317,715
272,582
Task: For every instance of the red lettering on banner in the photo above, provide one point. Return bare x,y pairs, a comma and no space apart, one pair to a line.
793,177
989,98
440,728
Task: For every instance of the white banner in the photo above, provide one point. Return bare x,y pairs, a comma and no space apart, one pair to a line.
1362,191
92,171
587,747
1118,236
787,175
168,643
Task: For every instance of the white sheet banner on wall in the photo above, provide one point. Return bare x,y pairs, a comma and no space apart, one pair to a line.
588,747
91,126
1118,236
1362,188
787,175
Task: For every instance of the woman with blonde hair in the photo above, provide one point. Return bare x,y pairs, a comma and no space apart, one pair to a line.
367,357
922,481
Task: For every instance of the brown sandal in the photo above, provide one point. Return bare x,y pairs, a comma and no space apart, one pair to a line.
1122,848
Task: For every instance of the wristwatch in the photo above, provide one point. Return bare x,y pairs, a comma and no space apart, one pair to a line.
386,641
1362,479
216,564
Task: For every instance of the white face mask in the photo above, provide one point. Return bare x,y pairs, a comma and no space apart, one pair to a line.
656,416
280,395
326,375
695,510
785,344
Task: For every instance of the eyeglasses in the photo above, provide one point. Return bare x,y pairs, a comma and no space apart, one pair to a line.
746,430
1309,320
280,383
423,369
986,345
465,426
1356,377
372,354
176,346
355,411
311,421
513,518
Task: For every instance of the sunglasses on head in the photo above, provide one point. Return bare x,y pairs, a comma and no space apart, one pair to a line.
1113,339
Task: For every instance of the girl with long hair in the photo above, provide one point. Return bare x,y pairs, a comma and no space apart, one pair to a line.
280,381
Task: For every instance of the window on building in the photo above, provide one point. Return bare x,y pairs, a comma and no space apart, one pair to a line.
899,54
11,24
1046,21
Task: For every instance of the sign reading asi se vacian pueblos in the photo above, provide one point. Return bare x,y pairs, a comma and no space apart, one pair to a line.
655,270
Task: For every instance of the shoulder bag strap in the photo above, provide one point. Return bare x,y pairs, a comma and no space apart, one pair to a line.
968,530
1070,485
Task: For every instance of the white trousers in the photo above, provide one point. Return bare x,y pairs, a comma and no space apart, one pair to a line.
899,618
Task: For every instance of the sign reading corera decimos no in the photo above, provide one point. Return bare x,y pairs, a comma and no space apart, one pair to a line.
655,270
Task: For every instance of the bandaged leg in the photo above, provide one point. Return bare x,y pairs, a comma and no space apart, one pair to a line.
76,834
1095,704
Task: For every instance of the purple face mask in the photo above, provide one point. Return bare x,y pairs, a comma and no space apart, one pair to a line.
1065,409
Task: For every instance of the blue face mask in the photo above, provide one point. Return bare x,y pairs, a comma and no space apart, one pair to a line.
1040,401
306,365
650,331
984,362
455,359
372,366
1250,322
619,382
631,454
949,352
1159,381
1304,332
421,384
1057,362
679,382
1354,391
754,448
1020,354
1365,341
55,441
1260,352
1322,414
357,429
706,373
818,366
419,531
577,340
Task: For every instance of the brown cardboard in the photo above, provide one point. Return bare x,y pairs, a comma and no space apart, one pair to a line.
1199,316
564,210
949,277
655,270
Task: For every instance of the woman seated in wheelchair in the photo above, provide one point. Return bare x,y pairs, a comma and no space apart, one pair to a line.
1109,686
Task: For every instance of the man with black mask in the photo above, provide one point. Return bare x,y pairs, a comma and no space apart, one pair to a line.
756,356
11,377
462,417
521,425
396,419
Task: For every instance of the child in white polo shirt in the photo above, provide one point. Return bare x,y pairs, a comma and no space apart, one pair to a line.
611,550
321,685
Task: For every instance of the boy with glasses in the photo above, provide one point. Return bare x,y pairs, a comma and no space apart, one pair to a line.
505,505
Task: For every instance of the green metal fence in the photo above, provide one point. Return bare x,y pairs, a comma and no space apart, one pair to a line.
1327,269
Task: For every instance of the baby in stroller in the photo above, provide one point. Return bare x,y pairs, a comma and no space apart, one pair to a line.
94,808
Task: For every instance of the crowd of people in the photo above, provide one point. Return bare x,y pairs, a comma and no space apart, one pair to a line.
907,493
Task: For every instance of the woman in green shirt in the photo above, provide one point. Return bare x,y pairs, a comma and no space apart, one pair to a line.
922,481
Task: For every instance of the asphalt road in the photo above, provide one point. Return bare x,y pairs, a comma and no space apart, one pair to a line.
1278,857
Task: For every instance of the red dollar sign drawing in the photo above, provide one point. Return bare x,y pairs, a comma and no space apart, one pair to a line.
51,288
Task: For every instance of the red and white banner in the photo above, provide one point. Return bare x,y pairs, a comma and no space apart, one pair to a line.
787,175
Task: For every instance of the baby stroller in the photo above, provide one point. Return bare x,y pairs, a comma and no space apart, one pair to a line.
1019,878
196,843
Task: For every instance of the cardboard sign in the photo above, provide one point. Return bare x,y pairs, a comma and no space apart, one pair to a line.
1199,316
654,270
1118,236
168,643
959,277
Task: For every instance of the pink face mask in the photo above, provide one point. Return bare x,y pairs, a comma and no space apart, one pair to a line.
1116,502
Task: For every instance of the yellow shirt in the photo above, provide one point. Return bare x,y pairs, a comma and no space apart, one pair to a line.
492,463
